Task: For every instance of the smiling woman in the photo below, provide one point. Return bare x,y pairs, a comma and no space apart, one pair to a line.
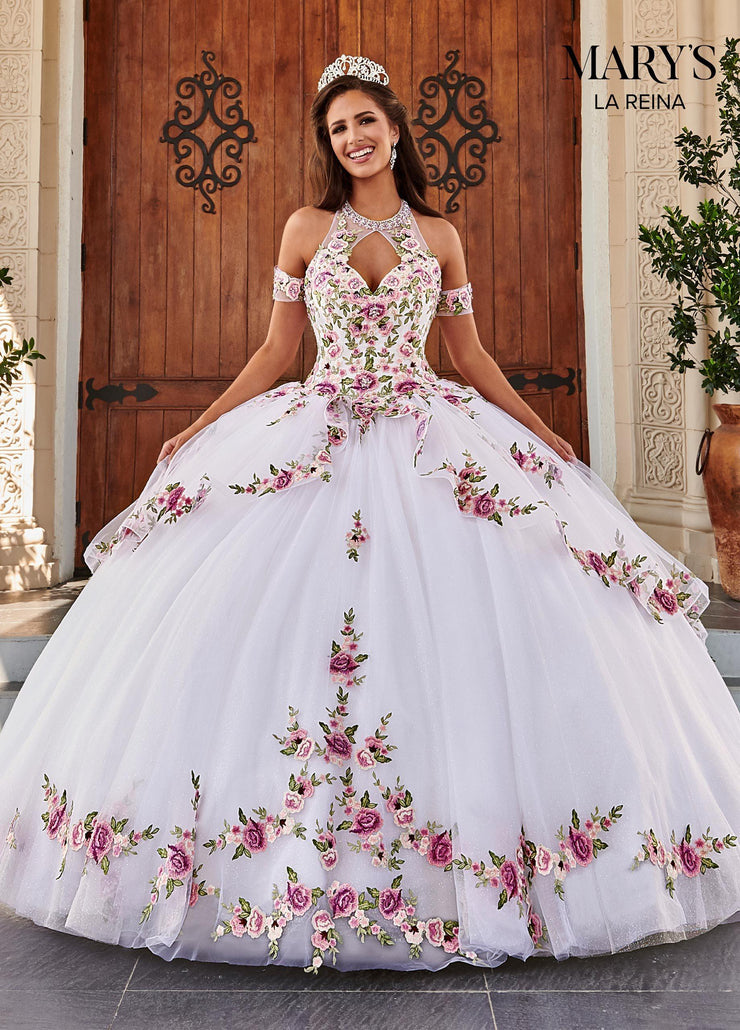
445,701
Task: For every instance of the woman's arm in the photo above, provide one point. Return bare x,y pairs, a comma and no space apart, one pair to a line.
270,360
474,363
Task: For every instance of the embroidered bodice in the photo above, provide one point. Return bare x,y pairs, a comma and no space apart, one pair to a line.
370,343
371,361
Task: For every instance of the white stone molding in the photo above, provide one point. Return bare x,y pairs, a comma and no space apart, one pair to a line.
14,215
597,270
15,83
655,20
663,460
25,557
14,156
15,25
12,328
661,392
655,185
11,485
11,417
654,192
14,298
650,286
654,138
654,339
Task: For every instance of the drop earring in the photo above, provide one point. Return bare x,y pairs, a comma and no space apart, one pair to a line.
393,156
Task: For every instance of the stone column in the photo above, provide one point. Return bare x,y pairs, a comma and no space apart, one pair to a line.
28,38
661,415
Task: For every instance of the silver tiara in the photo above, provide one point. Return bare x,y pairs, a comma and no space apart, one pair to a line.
360,67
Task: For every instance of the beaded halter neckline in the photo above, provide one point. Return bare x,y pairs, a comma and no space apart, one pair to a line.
401,217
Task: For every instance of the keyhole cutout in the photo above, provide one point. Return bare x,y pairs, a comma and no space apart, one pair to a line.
373,258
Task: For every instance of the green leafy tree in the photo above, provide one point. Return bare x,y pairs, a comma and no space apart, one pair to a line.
701,256
12,356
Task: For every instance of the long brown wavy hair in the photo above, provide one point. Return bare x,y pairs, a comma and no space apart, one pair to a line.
331,182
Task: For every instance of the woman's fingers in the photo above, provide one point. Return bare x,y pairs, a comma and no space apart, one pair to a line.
168,448
567,451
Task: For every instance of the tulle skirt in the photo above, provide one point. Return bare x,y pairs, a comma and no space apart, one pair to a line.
347,716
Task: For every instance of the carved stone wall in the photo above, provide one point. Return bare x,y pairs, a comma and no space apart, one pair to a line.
660,392
25,554
660,415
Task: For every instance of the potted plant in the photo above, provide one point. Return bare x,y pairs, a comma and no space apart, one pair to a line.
700,257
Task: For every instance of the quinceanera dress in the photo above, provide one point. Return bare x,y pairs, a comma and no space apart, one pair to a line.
368,675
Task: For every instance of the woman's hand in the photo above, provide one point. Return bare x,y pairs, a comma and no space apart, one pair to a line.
558,444
172,446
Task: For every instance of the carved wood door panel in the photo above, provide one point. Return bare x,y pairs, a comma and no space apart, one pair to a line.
178,254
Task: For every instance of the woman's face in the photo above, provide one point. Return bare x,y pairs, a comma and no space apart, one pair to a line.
361,134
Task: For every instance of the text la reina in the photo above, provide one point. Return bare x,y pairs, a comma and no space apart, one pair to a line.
640,102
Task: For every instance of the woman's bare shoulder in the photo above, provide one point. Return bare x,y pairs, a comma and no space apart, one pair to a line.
303,233
305,228
441,235
309,220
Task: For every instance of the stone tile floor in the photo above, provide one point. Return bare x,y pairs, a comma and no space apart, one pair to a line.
56,981
30,613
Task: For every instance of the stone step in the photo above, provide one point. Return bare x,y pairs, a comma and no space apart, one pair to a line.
20,578
20,536
724,647
8,693
35,554
17,656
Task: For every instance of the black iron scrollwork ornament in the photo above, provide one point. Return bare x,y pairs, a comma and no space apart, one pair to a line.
198,94
545,380
112,394
453,94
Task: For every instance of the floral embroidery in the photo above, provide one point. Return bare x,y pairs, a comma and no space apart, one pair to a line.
456,302
365,820
375,750
178,860
286,287
297,743
371,342
345,902
325,842
388,914
685,857
10,835
166,506
105,838
471,500
514,876
309,466
532,462
657,595
356,536
344,659
253,835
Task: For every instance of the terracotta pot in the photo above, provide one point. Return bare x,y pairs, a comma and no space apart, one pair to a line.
720,453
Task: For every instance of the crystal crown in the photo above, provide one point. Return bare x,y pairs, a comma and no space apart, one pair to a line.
361,67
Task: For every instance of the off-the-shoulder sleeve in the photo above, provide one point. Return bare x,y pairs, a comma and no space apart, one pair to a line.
456,302
286,287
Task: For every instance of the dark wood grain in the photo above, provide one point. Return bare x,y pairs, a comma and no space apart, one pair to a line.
206,271
230,280
184,60
180,299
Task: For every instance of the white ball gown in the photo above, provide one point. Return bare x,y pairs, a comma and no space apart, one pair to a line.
368,676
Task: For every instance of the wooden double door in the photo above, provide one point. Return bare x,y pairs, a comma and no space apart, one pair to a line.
178,255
